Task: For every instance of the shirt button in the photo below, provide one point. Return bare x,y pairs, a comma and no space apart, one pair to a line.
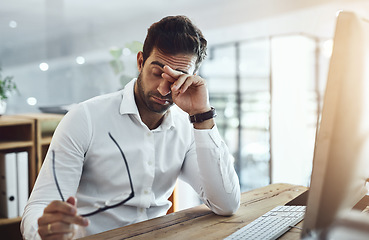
149,134
146,192
149,163
142,210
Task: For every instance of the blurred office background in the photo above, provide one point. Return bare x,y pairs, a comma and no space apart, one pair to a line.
266,67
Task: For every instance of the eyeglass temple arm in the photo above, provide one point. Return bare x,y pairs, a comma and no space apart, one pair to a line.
125,160
56,181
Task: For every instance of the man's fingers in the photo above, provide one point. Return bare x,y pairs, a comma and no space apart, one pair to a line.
168,77
182,83
186,85
171,72
72,200
59,226
59,217
176,83
57,231
56,228
177,78
63,207
59,220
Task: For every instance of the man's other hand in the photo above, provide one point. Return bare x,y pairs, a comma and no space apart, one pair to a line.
58,220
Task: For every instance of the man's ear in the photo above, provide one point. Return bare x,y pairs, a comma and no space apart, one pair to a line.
139,60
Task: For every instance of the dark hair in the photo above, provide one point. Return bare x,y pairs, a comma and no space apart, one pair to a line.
175,35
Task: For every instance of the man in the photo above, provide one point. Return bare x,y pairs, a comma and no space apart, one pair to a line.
157,139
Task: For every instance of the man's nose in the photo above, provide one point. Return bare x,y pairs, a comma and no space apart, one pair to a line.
164,87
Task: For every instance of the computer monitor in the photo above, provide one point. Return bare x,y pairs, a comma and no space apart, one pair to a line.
341,156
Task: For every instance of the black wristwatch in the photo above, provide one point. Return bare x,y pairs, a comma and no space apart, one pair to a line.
198,118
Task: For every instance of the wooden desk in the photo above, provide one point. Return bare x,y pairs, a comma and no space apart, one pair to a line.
200,223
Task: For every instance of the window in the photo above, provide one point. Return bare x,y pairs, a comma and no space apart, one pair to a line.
266,92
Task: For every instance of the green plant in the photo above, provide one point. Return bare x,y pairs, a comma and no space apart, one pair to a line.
117,64
7,85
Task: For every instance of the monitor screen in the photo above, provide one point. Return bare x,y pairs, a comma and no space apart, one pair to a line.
341,156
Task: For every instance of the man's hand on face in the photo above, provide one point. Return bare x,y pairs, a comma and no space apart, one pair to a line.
58,220
189,92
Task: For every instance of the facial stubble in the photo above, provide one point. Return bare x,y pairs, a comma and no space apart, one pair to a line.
146,97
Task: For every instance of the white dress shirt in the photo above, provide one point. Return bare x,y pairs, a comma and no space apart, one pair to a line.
90,166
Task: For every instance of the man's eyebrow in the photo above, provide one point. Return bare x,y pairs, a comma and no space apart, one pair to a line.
162,66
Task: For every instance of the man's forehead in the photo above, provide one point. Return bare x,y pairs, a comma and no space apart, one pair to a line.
182,62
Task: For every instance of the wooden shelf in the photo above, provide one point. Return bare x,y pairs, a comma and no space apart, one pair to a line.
4,221
15,144
46,140
12,121
45,125
31,133
17,134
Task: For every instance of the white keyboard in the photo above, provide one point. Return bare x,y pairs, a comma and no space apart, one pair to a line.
271,225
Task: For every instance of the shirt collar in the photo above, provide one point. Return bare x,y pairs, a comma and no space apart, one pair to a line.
128,106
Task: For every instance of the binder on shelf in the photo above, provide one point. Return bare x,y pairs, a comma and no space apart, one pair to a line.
22,180
8,185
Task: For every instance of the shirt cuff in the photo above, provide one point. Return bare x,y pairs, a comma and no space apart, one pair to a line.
202,137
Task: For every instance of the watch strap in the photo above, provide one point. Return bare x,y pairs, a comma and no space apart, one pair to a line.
200,117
